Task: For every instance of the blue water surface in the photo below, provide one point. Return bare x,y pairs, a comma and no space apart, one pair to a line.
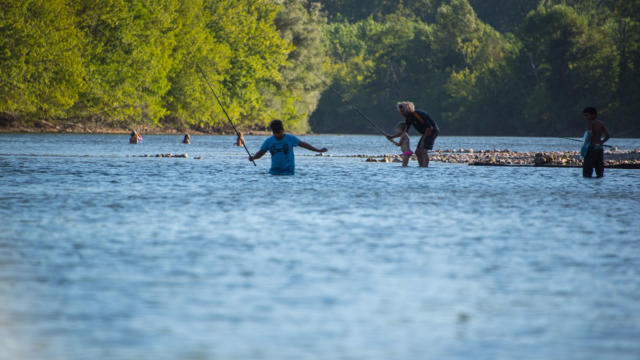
104,255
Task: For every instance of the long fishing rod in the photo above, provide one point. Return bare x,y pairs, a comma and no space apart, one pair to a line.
609,146
204,76
350,104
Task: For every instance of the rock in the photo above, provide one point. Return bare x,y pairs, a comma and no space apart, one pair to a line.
539,159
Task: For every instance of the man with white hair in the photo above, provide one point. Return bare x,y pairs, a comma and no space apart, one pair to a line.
424,125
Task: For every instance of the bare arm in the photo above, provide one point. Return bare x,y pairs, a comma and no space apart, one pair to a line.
607,136
394,136
257,155
309,147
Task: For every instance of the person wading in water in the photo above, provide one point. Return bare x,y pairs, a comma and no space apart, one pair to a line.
593,151
424,125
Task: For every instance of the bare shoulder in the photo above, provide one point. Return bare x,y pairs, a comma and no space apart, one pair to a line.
598,125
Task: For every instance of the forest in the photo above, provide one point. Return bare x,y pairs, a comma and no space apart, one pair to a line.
478,67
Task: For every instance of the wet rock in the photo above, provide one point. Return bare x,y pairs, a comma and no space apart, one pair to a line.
540,159
622,159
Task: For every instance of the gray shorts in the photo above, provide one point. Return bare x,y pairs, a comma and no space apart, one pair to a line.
429,140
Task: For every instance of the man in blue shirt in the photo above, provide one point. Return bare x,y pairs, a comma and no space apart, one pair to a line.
424,125
280,145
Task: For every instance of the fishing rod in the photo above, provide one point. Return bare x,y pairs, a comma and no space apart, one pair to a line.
204,76
352,106
609,146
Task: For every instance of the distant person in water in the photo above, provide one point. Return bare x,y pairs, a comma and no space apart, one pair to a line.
401,127
424,125
187,139
239,139
593,148
135,137
280,145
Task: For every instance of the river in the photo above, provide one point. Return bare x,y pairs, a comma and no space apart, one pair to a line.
106,255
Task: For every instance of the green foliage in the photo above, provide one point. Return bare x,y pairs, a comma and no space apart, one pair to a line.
127,54
188,100
523,67
41,70
129,63
295,96
552,58
439,66
357,10
237,46
504,15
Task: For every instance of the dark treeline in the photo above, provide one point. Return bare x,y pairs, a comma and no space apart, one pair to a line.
484,67
479,67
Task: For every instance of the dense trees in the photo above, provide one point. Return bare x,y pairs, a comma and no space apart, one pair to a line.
41,70
296,95
549,60
132,62
517,67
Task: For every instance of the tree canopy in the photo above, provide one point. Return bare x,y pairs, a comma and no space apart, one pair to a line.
479,67
517,67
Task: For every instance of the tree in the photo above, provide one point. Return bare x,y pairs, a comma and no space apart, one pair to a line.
569,66
296,95
503,15
128,55
40,57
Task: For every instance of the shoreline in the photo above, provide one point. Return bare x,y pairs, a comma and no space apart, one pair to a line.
79,130
9,125
619,159
88,130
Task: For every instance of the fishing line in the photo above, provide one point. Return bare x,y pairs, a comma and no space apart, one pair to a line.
350,104
204,76
609,146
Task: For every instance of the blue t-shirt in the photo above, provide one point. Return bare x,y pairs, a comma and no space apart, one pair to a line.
282,161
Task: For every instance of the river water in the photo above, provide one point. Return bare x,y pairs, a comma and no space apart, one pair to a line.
108,256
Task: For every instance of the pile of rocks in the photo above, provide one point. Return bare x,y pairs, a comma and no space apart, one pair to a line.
185,155
627,159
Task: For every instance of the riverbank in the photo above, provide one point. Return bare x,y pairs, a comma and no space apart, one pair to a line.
8,125
625,159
